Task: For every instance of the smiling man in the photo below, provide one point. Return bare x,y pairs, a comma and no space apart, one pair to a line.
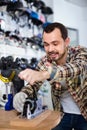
65,68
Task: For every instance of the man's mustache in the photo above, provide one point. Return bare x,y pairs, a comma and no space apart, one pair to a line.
50,53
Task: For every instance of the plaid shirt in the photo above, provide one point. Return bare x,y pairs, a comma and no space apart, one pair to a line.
72,74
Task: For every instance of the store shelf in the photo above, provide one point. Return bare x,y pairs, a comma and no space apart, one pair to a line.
28,53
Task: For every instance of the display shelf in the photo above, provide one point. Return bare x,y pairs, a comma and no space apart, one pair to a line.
6,50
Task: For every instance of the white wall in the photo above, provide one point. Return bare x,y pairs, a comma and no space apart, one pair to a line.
71,16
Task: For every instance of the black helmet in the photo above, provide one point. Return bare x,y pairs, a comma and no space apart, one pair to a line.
14,6
47,10
39,4
29,1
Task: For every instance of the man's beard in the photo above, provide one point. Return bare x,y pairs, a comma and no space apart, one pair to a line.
55,53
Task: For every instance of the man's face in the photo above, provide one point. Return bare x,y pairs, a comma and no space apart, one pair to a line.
54,45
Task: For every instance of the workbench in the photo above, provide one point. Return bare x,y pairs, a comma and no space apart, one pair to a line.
7,121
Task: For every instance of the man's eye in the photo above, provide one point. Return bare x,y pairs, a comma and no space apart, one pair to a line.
55,44
46,44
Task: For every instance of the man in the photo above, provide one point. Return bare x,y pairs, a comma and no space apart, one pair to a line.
66,70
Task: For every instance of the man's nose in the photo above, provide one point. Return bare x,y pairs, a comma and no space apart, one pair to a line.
50,48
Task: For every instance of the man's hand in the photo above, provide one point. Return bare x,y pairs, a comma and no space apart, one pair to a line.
32,76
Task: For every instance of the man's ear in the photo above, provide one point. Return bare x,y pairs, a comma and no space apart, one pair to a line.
67,41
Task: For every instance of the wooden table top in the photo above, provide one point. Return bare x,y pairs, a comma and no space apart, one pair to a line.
45,121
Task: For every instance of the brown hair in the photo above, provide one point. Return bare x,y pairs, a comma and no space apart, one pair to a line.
50,27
